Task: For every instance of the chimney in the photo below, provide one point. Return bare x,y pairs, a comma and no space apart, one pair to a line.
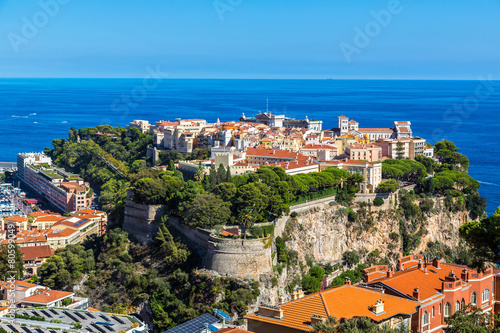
416,294
465,275
436,263
420,264
316,319
347,281
300,293
281,300
390,272
378,308
271,311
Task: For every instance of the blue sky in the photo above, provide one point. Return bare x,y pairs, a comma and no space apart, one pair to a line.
420,39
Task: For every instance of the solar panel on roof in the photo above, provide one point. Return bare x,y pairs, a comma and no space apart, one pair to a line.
27,330
222,315
212,328
195,324
118,320
80,315
13,328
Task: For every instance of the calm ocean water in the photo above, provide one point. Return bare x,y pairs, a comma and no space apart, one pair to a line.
35,111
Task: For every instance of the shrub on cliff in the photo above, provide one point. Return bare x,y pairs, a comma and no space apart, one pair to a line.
426,205
310,284
378,202
351,258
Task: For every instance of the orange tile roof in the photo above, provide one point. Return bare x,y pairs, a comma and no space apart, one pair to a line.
89,216
89,211
93,310
16,219
36,252
65,233
342,302
429,284
296,314
37,214
273,153
47,297
50,218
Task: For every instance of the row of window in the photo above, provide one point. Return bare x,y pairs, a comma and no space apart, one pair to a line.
447,307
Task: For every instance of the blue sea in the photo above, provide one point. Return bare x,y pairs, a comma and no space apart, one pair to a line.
35,111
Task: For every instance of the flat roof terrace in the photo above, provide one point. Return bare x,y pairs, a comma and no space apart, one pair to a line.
52,174
91,321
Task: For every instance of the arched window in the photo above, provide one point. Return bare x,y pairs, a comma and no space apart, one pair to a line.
433,312
486,295
447,309
463,304
457,306
425,318
440,307
473,298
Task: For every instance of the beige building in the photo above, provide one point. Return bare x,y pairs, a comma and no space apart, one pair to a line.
362,152
390,147
417,147
142,125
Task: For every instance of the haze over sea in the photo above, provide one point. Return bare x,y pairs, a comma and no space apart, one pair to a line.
36,111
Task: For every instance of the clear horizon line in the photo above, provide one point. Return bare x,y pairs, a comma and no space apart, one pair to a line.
229,78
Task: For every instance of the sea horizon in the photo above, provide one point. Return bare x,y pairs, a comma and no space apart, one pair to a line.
36,111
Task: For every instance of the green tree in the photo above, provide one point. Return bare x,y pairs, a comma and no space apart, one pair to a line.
483,237
388,186
351,258
207,211
167,248
400,151
310,284
470,319
200,173
11,262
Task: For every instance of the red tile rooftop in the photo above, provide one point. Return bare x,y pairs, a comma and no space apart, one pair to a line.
375,130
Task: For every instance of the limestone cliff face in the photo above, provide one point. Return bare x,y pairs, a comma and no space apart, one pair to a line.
323,232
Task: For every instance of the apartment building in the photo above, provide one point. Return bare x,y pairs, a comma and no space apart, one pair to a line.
364,152
390,147
64,191
344,302
440,289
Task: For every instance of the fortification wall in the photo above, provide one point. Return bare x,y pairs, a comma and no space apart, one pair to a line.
141,221
246,259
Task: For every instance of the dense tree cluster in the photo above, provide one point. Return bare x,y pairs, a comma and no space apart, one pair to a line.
220,199
483,237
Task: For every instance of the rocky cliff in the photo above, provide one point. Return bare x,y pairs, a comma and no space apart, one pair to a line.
323,232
